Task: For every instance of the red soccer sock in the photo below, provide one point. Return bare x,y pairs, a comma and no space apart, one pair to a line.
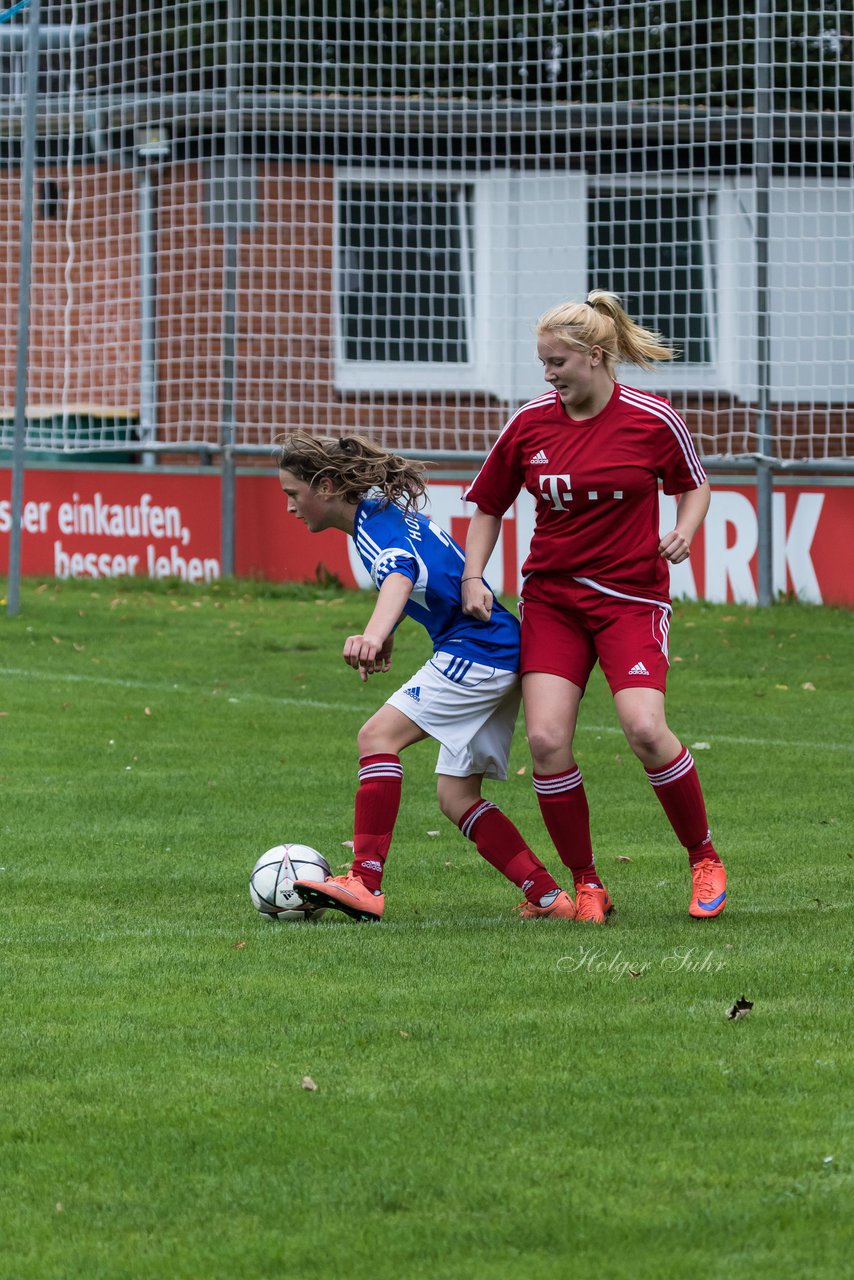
377,805
563,804
499,842
678,788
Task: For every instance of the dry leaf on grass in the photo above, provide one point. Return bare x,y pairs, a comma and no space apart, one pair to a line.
740,1009
238,946
621,857
309,1084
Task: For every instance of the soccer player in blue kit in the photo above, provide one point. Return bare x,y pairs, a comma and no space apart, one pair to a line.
466,696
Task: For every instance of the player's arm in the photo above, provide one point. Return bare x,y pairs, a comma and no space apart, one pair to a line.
691,509
370,651
480,544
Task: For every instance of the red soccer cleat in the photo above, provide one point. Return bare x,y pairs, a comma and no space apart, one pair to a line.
592,904
343,893
709,883
562,908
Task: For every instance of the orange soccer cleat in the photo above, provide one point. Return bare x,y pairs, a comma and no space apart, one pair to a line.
561,908
592,904
709,885
343,893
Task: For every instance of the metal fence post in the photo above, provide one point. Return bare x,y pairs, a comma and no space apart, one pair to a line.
229,287
762,169
28,168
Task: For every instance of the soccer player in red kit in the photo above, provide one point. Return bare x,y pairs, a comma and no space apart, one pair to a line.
596,581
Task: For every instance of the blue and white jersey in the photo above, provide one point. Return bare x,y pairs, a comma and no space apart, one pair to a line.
390,542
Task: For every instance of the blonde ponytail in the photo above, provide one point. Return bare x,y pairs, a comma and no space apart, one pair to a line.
602,322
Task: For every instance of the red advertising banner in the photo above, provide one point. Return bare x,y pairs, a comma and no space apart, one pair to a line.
107,524
79,523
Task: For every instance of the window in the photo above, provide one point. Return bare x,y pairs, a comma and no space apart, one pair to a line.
406,288
406,255
440,279
655,251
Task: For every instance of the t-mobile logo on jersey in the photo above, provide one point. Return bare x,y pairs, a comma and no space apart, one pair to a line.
558,489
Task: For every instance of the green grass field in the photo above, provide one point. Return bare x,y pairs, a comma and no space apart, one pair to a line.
494,1100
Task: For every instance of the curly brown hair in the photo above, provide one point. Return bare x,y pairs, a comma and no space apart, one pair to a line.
355,465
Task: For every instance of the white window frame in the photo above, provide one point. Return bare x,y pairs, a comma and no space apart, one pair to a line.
529,251
678,375
529,245
394,375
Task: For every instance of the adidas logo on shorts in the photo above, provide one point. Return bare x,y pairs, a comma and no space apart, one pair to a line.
538,460
638,670
414,692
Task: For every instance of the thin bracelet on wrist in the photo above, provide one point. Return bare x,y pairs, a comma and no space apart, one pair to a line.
473,577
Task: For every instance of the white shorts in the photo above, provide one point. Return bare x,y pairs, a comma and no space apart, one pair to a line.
469,708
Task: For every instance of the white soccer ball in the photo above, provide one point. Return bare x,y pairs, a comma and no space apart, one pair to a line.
271,884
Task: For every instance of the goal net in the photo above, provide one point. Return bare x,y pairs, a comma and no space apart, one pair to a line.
251,217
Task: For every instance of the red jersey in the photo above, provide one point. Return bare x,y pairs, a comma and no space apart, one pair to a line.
595,484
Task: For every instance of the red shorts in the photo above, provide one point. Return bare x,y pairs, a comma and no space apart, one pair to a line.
567,627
